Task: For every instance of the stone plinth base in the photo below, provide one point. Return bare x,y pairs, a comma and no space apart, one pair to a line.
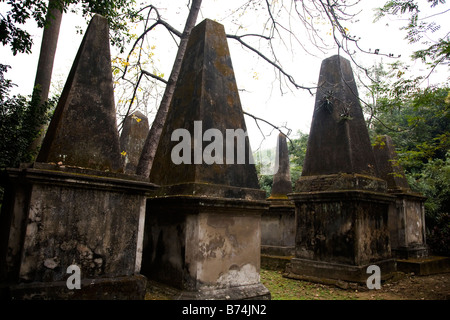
118,288
407,225
161,291
424,266
208,248
341,227
411,252
248,292
323,272
54,217
278,228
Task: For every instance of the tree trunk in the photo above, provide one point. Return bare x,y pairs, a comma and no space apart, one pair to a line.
151,143
45,65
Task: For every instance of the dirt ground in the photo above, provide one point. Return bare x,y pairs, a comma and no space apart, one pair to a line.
410,287
401,287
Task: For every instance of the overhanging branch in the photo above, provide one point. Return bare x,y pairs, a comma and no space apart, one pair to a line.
274,64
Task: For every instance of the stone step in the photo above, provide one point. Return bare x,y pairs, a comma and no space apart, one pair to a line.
424,266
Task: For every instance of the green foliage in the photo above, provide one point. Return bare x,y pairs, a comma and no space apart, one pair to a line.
297,153
282,288
417,119
433,181
265,182
20,41
19,118
439,234
438,52
418,29
264,160
418,124
21,11
117,12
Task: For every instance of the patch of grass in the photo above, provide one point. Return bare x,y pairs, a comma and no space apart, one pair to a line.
282,288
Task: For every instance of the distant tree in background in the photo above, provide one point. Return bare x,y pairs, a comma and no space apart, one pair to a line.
416,115
19,117
297,152
420,28
418,120
13,34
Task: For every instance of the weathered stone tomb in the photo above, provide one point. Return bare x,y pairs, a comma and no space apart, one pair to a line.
341,206
134,132
73,206
202,228
407,212
278,224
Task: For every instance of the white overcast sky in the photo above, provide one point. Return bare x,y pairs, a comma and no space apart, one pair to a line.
262,96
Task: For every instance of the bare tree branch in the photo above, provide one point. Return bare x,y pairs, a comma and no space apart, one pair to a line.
259,53
154,76
289,131
151,143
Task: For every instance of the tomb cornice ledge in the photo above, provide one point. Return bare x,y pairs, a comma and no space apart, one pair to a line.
80,178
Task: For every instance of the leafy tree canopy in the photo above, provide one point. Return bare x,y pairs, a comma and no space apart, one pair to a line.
418,120
419,28
20,41
19,118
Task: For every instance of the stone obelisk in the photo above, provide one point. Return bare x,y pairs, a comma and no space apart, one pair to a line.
278,224
203,228
341,206
407,213
72,223
282,184
72,137
134,132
